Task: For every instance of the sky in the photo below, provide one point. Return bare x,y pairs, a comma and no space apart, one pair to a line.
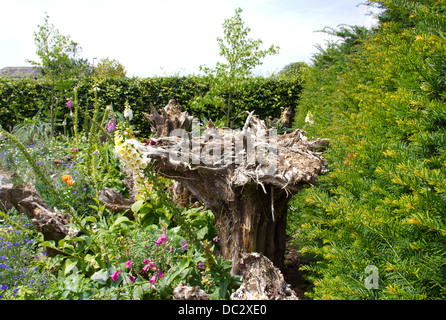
173,37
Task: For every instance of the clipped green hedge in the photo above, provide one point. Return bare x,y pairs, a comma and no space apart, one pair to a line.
374,227
22,98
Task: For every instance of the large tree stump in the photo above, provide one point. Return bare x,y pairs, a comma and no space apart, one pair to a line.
246,177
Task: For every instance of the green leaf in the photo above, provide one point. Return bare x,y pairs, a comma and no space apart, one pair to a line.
91,219
92,261
49,244
121,220
101,276
137,206
202,233
70,264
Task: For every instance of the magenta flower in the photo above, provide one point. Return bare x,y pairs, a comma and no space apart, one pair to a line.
69,104
115,275
160,274
111,125
128,263
153,279
184,245
152,143
201,265
215,239
146,267
161,239
131,278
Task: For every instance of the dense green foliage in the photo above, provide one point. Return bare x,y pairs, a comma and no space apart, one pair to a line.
379,96
22,98
372,228
139,253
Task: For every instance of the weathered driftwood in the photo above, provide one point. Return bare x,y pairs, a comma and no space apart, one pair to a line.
185,292
261,280
52,223
115,202
247,193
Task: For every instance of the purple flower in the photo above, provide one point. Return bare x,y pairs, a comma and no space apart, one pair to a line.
69,104
128,263
184,245
153,279
215,239
115,275
132,278
161,239
111,125
201,265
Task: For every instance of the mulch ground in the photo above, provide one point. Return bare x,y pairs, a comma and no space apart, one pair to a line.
292,272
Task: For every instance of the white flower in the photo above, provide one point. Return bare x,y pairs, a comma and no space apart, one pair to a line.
128,112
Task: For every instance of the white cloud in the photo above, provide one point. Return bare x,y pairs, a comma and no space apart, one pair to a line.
167,36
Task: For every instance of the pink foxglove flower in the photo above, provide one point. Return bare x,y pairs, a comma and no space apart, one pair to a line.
69,104
160,274
153,279
184,245
146,267
128,263
161,239
132,278
115,275
215,239
111,125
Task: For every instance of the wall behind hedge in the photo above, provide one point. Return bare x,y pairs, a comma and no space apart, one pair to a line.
22,98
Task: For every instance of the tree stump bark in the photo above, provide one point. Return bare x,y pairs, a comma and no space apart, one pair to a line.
53,224
246,177
261,280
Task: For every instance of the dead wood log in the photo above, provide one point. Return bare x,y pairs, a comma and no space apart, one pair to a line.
116,202
246,177
185,292
261,280
52,223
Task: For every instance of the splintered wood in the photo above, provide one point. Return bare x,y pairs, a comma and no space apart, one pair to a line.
246,177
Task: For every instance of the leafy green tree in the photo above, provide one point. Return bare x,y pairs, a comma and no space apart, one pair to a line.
242,55
293,71
59,61
59,55
107,68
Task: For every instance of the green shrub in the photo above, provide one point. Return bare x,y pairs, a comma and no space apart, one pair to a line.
374,227
21,98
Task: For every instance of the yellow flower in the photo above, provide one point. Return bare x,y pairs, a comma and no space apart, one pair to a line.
128,152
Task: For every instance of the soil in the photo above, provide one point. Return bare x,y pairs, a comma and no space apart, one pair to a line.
292,273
